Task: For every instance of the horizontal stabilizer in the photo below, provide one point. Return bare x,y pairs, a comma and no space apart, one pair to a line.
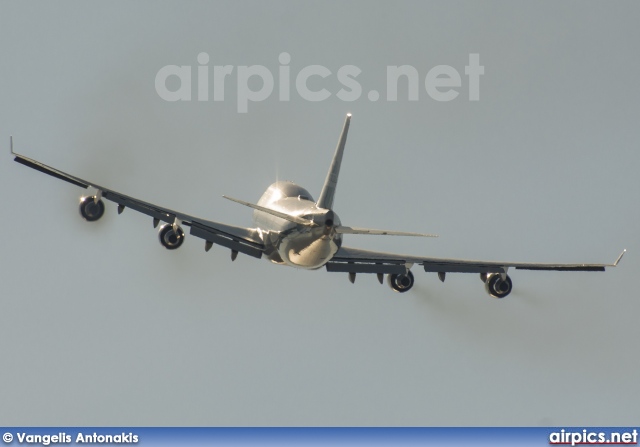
355,230
289,217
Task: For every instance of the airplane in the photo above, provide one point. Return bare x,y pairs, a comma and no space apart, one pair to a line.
290,228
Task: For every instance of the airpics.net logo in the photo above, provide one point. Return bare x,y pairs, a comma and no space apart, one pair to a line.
255,83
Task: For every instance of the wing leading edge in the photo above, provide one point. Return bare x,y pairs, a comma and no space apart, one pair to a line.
240,239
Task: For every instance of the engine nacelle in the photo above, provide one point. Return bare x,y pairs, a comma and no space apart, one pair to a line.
90,209
170,238
496,286
400,283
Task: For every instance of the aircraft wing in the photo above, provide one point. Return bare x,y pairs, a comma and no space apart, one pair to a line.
353,260
243,240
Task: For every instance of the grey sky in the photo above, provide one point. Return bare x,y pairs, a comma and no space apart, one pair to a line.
101,325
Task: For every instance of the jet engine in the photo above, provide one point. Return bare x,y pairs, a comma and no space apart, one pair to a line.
496,286
91,209
170,238
400,282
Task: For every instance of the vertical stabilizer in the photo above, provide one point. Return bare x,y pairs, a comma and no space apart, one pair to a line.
329,189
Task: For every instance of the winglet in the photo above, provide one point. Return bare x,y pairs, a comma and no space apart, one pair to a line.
11,144
615,264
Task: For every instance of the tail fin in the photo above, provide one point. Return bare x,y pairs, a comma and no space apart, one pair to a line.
329,189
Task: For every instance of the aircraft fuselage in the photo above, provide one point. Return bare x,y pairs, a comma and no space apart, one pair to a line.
290,243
